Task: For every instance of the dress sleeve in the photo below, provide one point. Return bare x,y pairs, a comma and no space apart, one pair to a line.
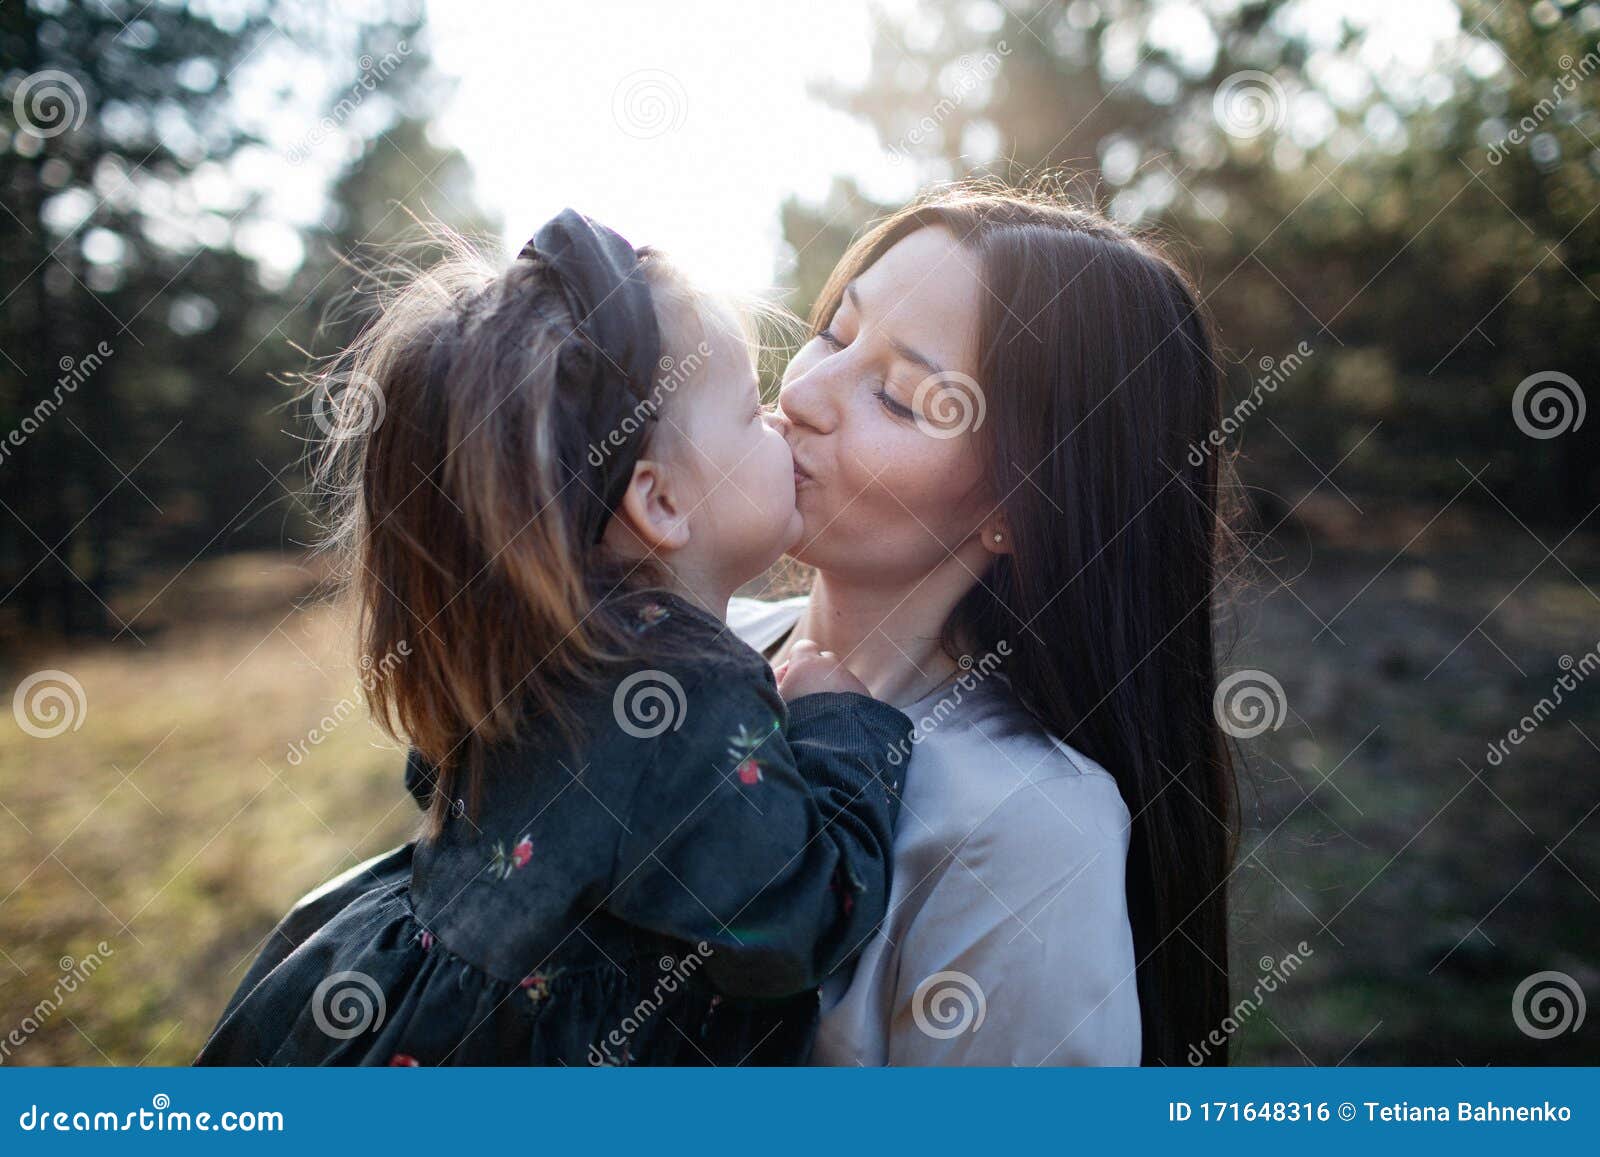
1023,953
766,832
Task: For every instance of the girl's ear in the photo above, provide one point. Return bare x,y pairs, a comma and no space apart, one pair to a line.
651,510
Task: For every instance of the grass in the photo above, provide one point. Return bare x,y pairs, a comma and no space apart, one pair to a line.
173,826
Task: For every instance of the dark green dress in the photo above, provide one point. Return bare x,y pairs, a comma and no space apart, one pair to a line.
674,893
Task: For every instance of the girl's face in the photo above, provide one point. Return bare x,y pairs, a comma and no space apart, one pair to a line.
744,515
880,410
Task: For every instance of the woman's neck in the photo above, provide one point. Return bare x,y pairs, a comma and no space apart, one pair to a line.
888,636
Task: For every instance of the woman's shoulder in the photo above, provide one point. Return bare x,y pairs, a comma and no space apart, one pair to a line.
1012,779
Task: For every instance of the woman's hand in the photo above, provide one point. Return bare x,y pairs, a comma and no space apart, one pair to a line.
808,671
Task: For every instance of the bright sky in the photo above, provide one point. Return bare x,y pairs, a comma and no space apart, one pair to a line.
686,124
681,125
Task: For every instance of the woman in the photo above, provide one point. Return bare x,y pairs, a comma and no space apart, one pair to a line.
991,429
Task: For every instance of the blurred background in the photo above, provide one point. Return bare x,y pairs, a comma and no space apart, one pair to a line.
1392,212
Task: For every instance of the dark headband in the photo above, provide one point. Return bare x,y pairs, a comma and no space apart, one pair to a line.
599,274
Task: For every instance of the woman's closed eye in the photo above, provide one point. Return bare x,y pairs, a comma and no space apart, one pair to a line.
828,338
898,409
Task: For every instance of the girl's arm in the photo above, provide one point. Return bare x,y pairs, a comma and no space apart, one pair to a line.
765,832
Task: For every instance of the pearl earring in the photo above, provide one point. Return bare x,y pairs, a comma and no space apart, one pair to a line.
998,537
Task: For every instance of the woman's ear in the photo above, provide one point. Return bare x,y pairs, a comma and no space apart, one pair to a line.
651,511
996,534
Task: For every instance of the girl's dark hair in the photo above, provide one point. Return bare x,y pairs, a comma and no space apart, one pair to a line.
1099,372
451,458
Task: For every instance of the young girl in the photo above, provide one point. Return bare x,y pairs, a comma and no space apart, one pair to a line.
639,847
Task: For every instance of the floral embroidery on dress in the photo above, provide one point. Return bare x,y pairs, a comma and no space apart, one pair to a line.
403,1061
742,746
846,888
504,862
652,613
537,986
427,940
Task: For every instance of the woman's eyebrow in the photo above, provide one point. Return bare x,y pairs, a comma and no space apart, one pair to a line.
907,352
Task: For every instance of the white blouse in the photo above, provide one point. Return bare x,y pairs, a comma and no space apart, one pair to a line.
1007,940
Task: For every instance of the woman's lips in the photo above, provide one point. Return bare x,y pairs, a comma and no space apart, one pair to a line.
800,475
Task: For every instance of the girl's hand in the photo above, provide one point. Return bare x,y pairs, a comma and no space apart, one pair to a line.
809,671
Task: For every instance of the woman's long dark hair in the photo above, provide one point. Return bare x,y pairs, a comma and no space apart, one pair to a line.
1099,372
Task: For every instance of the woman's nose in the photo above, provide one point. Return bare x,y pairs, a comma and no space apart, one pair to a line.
804,401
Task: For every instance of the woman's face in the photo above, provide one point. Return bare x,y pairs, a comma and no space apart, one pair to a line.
880,410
